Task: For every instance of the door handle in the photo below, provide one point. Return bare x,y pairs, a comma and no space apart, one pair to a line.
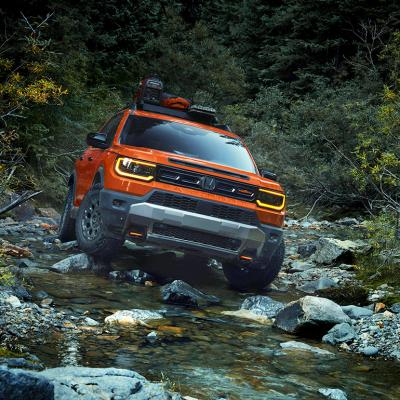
90,158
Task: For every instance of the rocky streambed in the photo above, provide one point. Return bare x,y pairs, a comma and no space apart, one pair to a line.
186,329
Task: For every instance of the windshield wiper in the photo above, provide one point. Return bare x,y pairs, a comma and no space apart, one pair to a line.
207,168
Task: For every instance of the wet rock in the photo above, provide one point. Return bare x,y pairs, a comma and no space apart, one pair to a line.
180,292
21,363
262,305
17,385
395,308
246,314
330,250
379,307
310,316
134,276
333,394
68,245
293,345
307,249
14,250
355,312
132,317
346,267
77,262
27,263
340,333
369,351
320,284
152,337
13,301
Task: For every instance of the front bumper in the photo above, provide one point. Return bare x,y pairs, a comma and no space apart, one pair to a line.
179,229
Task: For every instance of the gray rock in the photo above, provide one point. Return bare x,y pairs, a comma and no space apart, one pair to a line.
347,221
307,249
330,250
47,302
21,363
152,337
333,394
346,267
262,305
395,308
132,317
311,316
134,276
90,322
180,292
340,333
319,284
18,385
81,383
41,294
13,301
369,351
77,262
300,266
68,245
355,312
27,263
293,345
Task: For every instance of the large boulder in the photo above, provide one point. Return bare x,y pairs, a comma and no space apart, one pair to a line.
262,305
330,250
18,385
81,383
132,317
180,292
300,346
310,316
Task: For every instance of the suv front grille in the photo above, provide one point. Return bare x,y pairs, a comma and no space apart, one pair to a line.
204,207
192,235
206,183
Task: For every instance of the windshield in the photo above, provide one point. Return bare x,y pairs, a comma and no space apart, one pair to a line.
186,140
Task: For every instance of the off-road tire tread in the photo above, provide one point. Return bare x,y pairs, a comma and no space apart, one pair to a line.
66,229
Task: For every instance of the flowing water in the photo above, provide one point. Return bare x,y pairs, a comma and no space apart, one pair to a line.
203,353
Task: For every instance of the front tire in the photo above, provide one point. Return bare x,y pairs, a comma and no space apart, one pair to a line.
90,231
66,229
245,278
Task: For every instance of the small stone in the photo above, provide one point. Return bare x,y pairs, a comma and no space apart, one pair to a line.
347,221
333,394
319,284
49,212
379,307
67,245
307,249
369,351
395,308
346,267
90,322
27,263
41,294
152,337
300,266
77,262
47,302
388,314
13,301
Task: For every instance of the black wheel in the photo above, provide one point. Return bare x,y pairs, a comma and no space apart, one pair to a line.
66,229
246,278
89,229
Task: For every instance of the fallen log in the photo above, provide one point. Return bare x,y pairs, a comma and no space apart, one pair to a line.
18,201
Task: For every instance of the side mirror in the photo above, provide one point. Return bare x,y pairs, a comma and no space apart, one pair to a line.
98,140
268,174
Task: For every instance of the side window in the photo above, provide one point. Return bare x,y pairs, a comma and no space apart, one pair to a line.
110,128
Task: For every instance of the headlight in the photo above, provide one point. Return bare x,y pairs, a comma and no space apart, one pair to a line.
135,169
270,199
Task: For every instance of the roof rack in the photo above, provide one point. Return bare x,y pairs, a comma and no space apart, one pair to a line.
152,98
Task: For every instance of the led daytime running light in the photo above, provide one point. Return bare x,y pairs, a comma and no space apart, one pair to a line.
272,206
124,163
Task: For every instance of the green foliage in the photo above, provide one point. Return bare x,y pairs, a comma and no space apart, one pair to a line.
7,278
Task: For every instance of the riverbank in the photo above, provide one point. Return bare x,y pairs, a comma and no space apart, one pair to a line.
64,321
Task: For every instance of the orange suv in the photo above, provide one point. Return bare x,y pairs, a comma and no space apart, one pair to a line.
164,172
